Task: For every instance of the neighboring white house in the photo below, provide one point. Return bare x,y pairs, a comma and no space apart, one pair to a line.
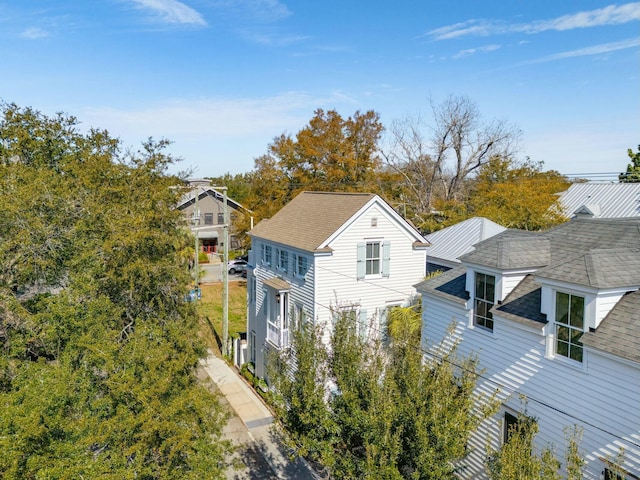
553,316
449,244
601,200
325,253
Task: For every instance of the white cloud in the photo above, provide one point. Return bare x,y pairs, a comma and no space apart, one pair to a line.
588,51
472,51
173,11
34,33
610,15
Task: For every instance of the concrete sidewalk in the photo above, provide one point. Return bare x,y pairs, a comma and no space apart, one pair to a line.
259,448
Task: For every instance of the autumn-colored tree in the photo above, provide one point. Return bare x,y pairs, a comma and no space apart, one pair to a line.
331,153
633,169
516,195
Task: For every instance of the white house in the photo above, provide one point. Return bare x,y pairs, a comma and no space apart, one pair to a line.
553,316
325,253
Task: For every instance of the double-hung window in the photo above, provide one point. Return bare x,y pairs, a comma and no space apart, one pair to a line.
300,265
372,259
266,254
569,325
484,300
208,218
283,260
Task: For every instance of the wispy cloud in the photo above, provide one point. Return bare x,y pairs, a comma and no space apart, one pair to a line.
34,33
257,10
173,11
593,50
610,15
473,51
271,39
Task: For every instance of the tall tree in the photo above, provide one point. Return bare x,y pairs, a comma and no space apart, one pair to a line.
633,169
331,153
518,195
99,350
436,159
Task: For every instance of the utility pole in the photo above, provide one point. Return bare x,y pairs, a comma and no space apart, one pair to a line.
225,276
196,225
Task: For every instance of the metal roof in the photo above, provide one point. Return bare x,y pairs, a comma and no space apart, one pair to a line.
602,200
452,242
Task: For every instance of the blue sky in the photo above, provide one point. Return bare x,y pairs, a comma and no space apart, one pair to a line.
222,78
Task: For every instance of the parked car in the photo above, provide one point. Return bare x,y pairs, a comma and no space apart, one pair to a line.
237,266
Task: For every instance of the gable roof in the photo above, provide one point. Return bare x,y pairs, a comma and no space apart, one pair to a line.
204,191
601,200
315,217
452,242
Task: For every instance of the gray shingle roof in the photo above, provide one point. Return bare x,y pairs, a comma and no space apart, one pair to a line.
598,268
619,332
512,249
522,305
314,216
449,285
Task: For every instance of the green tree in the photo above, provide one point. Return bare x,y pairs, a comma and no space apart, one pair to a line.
374,411
632,175
99,351
515,195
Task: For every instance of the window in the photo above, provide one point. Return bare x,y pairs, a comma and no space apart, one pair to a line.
208,218
372,261
283,260
374,258
298,317
569,325
220,218
484,299
509,426
252,341
266,254
300,265
613,473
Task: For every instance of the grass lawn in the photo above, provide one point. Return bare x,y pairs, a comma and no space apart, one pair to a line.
210,307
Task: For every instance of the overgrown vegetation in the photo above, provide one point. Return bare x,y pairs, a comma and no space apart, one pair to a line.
367,411
98,348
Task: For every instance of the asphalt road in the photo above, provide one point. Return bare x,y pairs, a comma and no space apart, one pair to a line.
212,272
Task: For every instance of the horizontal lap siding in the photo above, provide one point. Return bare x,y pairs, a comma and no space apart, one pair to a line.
606,395
336,275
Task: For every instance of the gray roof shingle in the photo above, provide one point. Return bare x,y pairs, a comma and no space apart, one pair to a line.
522,305
619,332
449,285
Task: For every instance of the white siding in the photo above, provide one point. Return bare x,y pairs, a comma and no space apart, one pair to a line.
336,275
602,398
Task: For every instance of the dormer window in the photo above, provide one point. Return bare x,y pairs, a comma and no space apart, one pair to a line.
484,299
569,325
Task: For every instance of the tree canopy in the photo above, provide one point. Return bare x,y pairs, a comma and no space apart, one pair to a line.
633,169
369,411
99,349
